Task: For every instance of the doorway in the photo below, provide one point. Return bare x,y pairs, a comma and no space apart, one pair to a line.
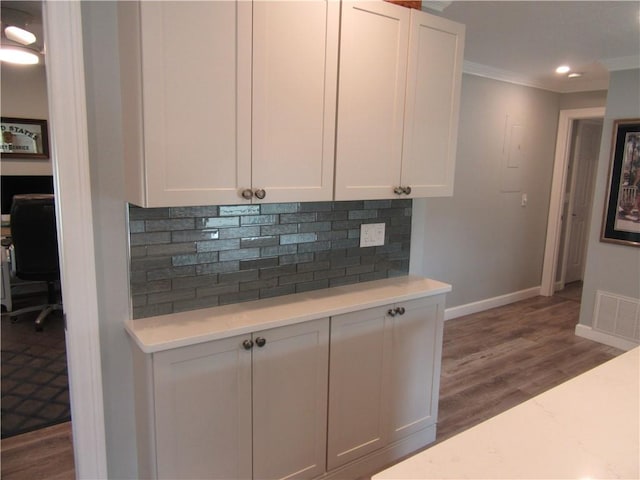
577,201
579,134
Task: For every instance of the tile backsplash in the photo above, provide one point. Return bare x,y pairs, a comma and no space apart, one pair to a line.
185,258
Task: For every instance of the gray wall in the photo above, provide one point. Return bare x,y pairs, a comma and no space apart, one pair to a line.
482,241
610,267
110,233
596,98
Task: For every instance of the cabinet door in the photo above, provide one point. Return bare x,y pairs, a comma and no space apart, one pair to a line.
415,365
433,95
295,61
196,97
373,65
290,401
358,385
203,411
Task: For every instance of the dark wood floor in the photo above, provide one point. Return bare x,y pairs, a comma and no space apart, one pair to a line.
492,361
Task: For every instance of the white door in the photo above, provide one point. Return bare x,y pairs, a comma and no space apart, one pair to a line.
585,160
434,79
196,76
290,372
371,99
358,385
415,365
203,411
295,76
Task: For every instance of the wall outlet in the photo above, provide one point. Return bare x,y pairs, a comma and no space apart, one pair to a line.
371,234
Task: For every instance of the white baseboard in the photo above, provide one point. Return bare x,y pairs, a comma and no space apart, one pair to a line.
482,305
589,333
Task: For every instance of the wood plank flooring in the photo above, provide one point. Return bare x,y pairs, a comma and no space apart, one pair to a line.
492,361
496,359
39,455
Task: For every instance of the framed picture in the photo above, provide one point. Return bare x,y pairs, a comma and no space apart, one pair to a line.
24,138
621,223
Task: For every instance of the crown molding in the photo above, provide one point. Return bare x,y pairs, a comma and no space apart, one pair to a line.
481,70
621,63
485,71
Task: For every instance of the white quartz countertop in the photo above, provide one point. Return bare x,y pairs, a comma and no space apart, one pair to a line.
164,332
586,428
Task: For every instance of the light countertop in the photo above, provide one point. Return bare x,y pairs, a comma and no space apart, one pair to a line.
163,332
585,428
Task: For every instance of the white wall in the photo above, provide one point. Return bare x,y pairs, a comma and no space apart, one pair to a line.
482,241
24,95
610,267
110,232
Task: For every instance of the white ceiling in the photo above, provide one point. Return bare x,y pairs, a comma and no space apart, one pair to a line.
525,41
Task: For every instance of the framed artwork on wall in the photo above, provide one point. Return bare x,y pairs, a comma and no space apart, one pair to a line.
621,222
24,138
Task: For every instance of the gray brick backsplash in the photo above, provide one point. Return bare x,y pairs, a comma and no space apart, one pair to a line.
238,210
217,245
169,225
207,211
150,238
186,258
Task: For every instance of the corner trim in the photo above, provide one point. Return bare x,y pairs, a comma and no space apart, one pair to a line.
589,333
486,304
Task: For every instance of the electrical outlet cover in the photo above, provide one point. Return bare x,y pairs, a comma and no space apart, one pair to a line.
371,234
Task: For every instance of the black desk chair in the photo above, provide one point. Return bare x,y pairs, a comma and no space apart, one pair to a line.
35,244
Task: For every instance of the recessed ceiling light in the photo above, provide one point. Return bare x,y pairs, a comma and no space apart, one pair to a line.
18,55
19,35
563,69
574,75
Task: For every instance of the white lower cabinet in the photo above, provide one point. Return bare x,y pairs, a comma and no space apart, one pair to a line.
329,398
251,406
384,376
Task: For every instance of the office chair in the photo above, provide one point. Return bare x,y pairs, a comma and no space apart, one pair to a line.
35,246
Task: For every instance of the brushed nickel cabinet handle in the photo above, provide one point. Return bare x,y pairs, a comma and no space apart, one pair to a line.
247,194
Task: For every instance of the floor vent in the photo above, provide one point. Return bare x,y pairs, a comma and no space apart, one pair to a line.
617,315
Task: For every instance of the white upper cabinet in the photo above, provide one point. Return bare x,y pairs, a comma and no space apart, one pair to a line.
398,104
295,61
227,102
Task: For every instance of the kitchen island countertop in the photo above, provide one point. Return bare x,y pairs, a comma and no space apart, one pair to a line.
585,428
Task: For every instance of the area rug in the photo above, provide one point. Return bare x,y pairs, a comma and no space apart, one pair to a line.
34,386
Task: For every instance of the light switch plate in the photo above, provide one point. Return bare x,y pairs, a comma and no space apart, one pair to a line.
371,234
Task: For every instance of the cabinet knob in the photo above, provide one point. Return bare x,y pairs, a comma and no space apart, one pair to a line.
247,194
392,312
406,190
400,310
261,341
398,190
247,344
260,194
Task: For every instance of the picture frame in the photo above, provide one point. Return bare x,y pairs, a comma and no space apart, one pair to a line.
24,138
621,222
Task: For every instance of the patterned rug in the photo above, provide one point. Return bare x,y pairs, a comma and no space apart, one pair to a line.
35,391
